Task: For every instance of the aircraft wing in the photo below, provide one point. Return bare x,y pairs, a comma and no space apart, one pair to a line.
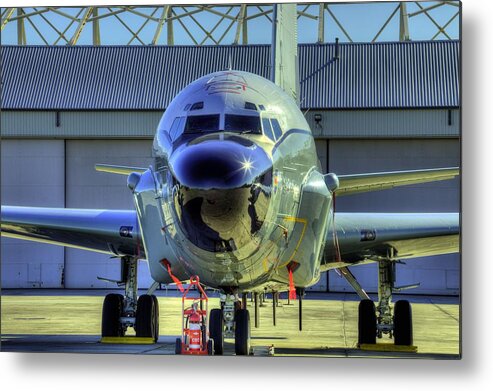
113,232
372,236
360,183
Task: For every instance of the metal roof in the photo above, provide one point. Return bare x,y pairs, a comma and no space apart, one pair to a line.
366,75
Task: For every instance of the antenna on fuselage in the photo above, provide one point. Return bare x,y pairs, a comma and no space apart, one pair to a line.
230,66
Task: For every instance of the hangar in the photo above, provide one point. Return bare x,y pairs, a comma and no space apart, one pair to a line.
371,106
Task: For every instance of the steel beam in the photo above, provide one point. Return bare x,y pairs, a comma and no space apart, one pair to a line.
68,27
216,26
6,17
440,28
96,34
321,23
160,25
169,26
404,23
207,33
60,34
128,28
21,30
445,25
81,26
338,23
237,14
37,31
426,9
240,21
136,34
386,22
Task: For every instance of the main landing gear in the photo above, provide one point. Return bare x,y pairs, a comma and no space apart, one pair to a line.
231,321
376,321
123,311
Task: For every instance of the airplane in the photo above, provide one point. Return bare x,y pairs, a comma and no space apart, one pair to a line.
237,196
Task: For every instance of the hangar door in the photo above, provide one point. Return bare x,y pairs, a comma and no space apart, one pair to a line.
87,188
32,175
437,275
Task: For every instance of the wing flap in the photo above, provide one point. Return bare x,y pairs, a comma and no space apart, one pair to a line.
371,236
113,232
360,183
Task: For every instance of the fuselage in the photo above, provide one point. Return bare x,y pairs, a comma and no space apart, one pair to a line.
233,156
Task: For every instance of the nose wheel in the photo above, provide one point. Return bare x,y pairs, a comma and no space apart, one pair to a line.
147,317
367,322
112,309
403,323
216,327
231,321
242,332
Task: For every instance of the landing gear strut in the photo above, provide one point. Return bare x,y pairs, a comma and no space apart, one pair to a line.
123,311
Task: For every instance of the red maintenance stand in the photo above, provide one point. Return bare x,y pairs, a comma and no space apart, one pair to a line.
195,335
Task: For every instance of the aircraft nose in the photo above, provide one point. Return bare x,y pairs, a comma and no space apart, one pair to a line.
219,164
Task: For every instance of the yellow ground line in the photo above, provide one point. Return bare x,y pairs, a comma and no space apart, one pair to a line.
128,340
387,347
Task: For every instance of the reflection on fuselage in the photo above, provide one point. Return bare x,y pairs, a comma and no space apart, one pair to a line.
221,191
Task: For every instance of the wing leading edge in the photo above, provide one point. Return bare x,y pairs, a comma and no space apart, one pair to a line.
372,236
113,232
360,183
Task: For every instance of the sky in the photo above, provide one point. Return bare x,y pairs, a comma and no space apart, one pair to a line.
362,21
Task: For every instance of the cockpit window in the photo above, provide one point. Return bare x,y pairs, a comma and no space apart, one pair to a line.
250,106
202,123
268,129
197,106
242,123
276,128
187,107
176,128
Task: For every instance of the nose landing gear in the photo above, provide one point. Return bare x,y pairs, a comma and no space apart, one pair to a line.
231,321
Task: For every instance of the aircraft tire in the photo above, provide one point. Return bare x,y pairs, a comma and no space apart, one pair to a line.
112,309
156,317
216,326
367,322
145,317
242,332
178,346
403,323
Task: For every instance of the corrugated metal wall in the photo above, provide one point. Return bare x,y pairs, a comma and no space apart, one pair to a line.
365,75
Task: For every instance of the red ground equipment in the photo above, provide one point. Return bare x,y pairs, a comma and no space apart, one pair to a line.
195,336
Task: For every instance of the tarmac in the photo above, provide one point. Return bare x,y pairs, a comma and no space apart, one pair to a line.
69,321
